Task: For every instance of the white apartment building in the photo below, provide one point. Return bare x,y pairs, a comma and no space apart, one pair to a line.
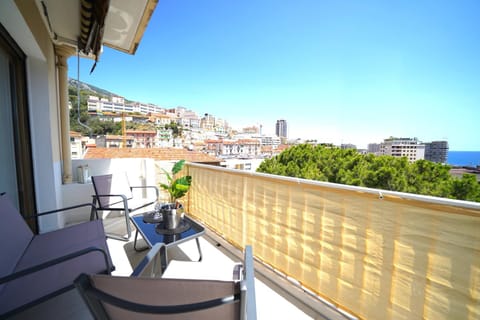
242,164
187,122
146,108
161,119
96,104
117,104
76,147
227,147
251,147
208,122
268,140
410,148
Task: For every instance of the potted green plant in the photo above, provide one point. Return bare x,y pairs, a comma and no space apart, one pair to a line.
176,187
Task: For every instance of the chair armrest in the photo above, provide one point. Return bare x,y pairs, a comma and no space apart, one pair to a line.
124,200
55,261
158,251
157,192
39,214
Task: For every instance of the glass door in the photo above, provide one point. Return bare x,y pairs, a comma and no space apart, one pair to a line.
8,171
16,165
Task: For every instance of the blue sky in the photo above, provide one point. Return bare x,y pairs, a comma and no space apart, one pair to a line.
340,71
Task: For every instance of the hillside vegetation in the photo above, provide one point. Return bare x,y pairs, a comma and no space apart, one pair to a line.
95,125
347,166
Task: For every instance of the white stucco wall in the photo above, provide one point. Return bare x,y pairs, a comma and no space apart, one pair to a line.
140,172
42,103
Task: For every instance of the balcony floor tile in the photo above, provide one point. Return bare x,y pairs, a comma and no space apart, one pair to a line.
270,305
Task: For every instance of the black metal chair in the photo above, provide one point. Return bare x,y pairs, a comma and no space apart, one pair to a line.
114,193
139,297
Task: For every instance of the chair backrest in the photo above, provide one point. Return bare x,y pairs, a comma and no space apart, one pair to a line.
111,297
111,184
15,236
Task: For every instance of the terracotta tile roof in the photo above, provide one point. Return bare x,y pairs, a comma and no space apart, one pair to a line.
154,153
283,147
249,141
164,116
117,137
141,132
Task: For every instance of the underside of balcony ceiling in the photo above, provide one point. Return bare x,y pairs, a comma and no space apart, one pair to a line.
88,24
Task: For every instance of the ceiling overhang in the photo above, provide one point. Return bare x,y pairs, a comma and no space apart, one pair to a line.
126,23
89,24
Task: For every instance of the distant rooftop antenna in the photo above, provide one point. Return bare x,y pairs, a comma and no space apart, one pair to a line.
78,96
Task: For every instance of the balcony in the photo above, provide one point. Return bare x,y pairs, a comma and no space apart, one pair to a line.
373,254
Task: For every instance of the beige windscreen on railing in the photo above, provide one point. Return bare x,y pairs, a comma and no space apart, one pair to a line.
376,256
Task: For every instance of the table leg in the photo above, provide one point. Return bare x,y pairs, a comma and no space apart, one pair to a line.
199,249
135,243
163,260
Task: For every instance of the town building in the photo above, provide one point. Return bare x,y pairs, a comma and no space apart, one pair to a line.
251,130
117,104
76,145
348,146
161,119
281,128
373,148
268,140
230,148
250,164
142,138
189,121
410,148
436,151
114,141
207,122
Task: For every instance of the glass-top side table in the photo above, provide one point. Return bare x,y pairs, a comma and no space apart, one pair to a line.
153,232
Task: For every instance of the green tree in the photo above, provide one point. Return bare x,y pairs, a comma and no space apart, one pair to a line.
100,127
466,188
326,163
175,129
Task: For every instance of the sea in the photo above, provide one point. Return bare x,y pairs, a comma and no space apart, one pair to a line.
464,158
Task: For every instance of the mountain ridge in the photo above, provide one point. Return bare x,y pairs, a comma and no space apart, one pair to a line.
87,86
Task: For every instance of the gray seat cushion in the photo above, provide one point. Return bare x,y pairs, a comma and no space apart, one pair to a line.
15,236
53,245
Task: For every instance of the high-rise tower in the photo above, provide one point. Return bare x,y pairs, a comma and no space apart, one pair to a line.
281,128
436,151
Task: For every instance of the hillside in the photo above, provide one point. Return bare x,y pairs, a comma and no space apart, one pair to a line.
72,83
